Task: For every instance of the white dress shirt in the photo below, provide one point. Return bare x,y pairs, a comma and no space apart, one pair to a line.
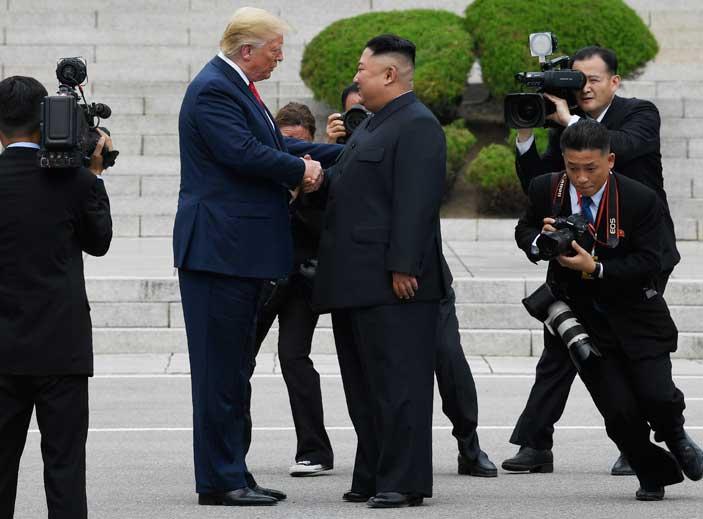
241,73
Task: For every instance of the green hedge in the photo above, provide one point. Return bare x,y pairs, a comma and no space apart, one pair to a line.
444,55
501,28
493,173
459,142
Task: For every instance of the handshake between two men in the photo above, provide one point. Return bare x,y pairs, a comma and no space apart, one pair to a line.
313,176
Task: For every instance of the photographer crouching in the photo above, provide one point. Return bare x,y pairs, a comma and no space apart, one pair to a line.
611,286
49,216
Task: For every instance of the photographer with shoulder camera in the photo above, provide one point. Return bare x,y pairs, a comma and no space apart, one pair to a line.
48,218
633,130
612,288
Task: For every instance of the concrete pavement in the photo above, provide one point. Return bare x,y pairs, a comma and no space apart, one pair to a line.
140,451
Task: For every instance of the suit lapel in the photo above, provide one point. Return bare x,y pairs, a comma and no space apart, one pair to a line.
239,82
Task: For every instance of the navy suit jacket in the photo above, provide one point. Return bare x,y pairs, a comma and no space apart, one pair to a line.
236,170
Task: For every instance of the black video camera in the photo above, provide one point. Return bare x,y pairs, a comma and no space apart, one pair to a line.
551,244
352,118
68,128
525,110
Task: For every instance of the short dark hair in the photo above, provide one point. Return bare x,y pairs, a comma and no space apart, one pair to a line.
296,114
586,134
607,55
390,43
20,105
353,88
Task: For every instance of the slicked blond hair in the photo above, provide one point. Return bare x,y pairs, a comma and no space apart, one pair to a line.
250,26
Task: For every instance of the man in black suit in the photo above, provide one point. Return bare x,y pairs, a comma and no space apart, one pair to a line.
48,218
454,378
380,273
633,126
612,286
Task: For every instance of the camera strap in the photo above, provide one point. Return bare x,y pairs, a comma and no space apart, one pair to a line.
610,205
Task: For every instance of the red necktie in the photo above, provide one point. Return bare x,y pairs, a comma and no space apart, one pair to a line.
256,93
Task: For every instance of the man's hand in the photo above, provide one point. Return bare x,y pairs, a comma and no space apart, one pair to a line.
335,128
583,261
313,176
96,159
548,225
524,134
562,115
404,285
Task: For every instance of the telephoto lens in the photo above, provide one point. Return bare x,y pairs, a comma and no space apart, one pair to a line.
560,320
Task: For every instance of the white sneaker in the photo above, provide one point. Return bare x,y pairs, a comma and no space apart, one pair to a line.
307,468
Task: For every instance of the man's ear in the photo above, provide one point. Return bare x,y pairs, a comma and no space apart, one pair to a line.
391,75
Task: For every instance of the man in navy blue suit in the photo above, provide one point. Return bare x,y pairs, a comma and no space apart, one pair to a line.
232,233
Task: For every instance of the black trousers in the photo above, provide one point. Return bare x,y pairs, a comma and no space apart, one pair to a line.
297,321
386,355
61,404
630,394
553,378
455,381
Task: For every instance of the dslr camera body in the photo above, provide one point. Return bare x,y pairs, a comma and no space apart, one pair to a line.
529,110
352,118
68,128
551,244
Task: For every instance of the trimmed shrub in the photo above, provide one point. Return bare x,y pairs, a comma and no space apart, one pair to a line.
541,138
459,141
493,173
501,29
444,55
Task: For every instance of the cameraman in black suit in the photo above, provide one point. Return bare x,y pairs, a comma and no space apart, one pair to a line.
612,286
633,128
48,218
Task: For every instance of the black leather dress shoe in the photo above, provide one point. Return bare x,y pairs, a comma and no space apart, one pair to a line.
394,500
622,467
650,494
481,467
355,497
689,456
276,494
240,497
528,459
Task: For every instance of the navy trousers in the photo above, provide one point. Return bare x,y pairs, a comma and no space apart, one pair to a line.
220,319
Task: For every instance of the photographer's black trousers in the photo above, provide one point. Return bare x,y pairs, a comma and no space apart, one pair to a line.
61,404
386,355
616,386
297,321
553,378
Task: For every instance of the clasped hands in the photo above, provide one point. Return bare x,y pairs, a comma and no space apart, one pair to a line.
313,176
582,261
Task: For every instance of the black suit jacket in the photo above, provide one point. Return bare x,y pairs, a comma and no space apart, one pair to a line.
622,310
633,125
382,212
48,218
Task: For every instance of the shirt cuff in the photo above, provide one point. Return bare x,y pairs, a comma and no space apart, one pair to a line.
524,147
573,120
